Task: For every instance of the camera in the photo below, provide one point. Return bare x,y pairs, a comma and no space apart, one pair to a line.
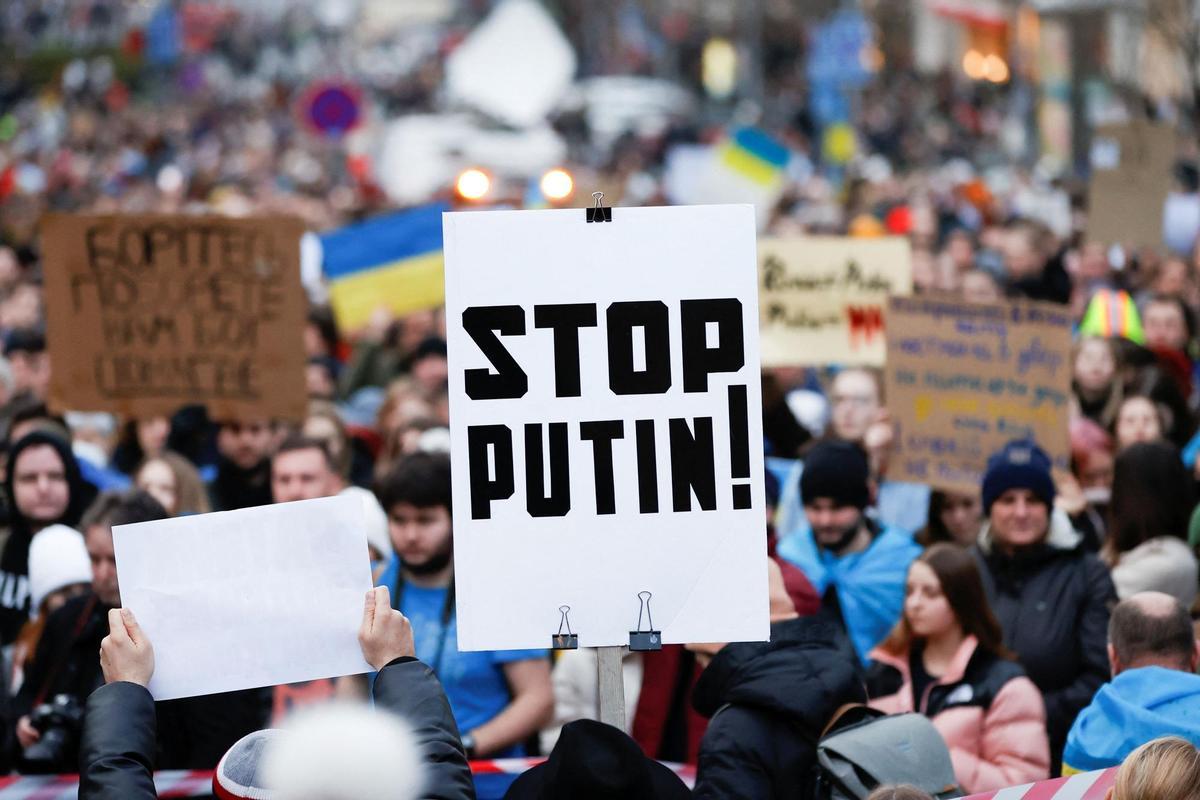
59,722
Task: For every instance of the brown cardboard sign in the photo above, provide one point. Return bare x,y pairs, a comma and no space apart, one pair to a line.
1131,178
963,379
148,313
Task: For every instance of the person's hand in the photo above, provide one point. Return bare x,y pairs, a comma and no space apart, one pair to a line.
126,653
386,634
878,440
380,322
880,433
1070,497
26,733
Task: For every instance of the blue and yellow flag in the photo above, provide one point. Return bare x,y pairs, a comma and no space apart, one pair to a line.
394,261
753,154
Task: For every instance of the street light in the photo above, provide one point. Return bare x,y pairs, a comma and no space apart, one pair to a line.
557,185
473,184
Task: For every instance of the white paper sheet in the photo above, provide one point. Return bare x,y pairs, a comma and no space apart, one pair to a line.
239,599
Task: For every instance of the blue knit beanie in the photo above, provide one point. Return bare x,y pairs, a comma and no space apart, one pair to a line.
1020,464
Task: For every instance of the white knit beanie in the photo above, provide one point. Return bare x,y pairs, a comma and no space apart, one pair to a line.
57,558
329,751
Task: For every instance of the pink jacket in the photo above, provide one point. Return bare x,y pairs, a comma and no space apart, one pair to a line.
992,745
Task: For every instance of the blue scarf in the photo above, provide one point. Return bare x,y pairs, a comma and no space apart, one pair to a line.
870,584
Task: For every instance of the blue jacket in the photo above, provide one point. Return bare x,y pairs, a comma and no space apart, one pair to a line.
1136,706
870,584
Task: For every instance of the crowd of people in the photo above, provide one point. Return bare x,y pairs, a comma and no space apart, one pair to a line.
1043,624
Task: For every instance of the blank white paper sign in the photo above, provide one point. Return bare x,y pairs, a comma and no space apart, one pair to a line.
240,599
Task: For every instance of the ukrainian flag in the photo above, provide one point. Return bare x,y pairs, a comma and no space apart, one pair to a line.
393,261
753,154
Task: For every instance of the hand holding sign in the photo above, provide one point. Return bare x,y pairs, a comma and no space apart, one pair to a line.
126,653
386,634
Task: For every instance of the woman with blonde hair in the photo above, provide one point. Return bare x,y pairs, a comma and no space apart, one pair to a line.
172,480
1161,769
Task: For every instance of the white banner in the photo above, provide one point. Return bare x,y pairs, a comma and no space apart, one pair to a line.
606,425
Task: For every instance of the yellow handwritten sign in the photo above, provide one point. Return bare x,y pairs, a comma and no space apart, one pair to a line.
822,298
964,379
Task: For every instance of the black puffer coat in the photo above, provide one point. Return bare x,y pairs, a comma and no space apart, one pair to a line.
118,736
769,702
1053,602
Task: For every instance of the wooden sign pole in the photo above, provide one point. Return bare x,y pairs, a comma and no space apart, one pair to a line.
611,686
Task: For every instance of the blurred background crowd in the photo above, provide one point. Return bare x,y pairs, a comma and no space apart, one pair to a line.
967,126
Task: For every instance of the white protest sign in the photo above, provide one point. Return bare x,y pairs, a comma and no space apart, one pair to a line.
240,599
606,425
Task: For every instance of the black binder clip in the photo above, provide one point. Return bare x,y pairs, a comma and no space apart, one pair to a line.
600,213
568,640
645,640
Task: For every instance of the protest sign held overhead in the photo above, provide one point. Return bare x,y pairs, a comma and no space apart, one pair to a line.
822,298
1131,179
604,388
963,379
149,313
239,599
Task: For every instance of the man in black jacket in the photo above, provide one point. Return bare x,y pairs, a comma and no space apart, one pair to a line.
243,476
118,735
769,703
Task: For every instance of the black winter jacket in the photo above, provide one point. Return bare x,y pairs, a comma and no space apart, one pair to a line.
769,702
1053,603
118,736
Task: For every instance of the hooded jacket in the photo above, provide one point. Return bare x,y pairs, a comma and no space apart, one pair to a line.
769,702
987,711
14,559
116,753
1052,601
1138,705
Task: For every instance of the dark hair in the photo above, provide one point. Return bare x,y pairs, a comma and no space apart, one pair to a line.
422,479
1135,634
24,340
295,442
935,530
962,585
122,508
27,408
1151,496
429,346
321,318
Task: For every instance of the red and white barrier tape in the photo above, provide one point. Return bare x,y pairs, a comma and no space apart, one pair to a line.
1084,786
198,783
